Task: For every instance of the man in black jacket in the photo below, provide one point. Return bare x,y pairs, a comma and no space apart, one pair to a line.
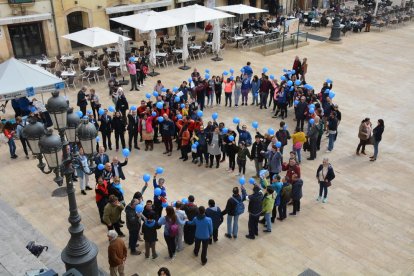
191,210
133,128
167,129
313,138
296,193
82,101
133,224
117,167
106,129
255,209
255,154
300,113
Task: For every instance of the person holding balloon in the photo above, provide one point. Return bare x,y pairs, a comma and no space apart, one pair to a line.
101,196
106,129
160,192
274,159
298,138
256,154
228,90
313,137
215,143
231,211
118,126
300,112
244,134
117,166
231,150
167,129
242,154
147,131
133,128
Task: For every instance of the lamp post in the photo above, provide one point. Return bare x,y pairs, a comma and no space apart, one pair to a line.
336,29
79,253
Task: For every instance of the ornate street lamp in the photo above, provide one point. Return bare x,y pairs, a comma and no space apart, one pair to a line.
79,253
336,29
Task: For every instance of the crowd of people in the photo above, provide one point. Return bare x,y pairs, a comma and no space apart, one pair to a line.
177,115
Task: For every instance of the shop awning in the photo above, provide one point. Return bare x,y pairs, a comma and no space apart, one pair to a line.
25,18
138,7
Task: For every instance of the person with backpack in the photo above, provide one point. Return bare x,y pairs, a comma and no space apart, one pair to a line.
234,208
214,213
149,229
286,195
297,184
191,210
325,174
171,227
254,209
204,231
282,136
267,207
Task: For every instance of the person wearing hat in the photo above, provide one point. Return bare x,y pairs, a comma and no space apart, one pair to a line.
132,69
117,254
254,209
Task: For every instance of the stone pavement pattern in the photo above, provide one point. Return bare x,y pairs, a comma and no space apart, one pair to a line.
366,228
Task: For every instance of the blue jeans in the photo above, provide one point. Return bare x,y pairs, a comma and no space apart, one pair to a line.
298,153
331,141
12,147
255,97
376,143
235,225
267,217
237,94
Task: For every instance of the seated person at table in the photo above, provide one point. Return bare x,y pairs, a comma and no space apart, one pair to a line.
208,27
324,20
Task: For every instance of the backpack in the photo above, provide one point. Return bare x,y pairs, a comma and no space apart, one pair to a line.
239,207
286,193
173,230
283,136
36,249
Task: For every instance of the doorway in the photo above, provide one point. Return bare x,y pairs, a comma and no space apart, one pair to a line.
27,40
77,21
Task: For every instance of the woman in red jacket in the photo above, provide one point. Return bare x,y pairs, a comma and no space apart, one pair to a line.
9,132
101,196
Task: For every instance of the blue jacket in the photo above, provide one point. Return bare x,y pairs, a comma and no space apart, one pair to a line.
277,187
204,227
157,201
244,136
248,70
275,161
246,85
255,86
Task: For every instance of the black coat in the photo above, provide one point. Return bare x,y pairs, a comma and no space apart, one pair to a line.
329,176
150,231
114,191
98,159
106,124
82,99
133,124
191,210
122,104
120,172
300,110
118,125
215,215
255,203
378,130
167,128
297,189
132,220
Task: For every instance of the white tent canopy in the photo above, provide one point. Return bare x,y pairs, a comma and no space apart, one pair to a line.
95,37
19,79
148,21
240,9
196,13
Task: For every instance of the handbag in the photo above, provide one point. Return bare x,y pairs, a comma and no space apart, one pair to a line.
371,140
328,184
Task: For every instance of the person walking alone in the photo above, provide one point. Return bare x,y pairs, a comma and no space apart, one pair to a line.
117,254
325,174
132,69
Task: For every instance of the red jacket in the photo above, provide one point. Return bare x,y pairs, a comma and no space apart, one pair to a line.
291,170
101,191
9,133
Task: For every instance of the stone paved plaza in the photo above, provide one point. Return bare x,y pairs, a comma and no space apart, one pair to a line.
366,228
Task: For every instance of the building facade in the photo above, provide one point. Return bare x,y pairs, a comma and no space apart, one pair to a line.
32,28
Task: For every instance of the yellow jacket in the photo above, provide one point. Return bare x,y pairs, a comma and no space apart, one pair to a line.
298,137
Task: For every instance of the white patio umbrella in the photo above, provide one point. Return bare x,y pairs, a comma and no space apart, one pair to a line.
216,40
185,35
95,37
240,9
152,57
121,51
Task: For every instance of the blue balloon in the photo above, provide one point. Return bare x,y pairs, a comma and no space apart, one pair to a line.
285,70
155,94
206,76
311,121
271,131
111,108
297,82
164,205
79,113
184,200
214,116
179,116
146,177
133,108
285,127
272,77
293,72
175,89
278,144
291,88
174,203
331,94
290,83
148,96
125,152
255,124
88,112
85,117
190,80
177,99
200,113
296,102
157,191
327,91
159,105
163,89
282,78
231,138
242,181
160,119
196,143
225,73
265,70
154,114
328,81
231,78
312,106
194,146
241,70
225,130
182,105
98,139
159,170
207,71
232,70
311,110
101,167
236,120
101,112
139,208
252,181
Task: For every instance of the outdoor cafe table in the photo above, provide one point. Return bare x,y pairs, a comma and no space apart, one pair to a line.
238,38
161,54
195,47
68,74
92,69
64,58
43,62
248,35
260,32
114,64
177,51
